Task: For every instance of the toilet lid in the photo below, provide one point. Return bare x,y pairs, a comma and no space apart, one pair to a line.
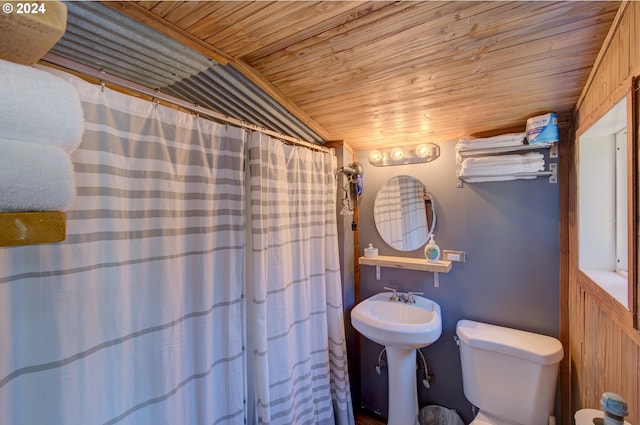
484,419
530,346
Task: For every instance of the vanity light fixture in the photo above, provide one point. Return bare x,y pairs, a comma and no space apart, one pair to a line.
399,155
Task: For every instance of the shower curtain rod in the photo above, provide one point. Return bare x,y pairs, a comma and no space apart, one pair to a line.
156,94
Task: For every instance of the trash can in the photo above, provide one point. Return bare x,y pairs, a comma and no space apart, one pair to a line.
438,415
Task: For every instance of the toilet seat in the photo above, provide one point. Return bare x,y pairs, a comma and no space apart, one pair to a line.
587,416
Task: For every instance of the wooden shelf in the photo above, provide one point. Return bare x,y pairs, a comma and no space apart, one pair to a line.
406,263
26,37
27,228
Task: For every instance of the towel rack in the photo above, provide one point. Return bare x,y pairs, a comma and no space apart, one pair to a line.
553,150
27,228
552,171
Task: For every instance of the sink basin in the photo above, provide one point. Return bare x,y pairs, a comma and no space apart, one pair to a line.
396,323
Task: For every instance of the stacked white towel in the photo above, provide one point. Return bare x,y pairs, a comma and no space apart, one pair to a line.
39,107
41,124
501,141
35,177
504,167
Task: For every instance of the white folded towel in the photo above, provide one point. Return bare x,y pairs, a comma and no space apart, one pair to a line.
502,165
503,140
39,107
35,177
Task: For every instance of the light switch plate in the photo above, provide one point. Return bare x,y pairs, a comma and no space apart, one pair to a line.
450,255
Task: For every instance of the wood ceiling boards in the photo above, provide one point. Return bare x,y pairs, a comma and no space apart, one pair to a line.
390,73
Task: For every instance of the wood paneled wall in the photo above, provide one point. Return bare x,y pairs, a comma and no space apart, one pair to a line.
605,350
618,61
604,347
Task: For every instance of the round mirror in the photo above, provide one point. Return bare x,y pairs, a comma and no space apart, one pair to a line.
404,213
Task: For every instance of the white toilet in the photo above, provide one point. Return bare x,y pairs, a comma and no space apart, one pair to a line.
509,374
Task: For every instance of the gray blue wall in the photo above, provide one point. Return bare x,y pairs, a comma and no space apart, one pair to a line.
509,232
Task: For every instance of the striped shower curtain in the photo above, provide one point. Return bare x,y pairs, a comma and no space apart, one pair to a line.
137,317
296,345
140,316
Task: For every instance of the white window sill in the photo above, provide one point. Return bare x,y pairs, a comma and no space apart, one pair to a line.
612,282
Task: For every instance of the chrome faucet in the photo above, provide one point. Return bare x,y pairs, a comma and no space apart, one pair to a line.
394,297
409,299
410,295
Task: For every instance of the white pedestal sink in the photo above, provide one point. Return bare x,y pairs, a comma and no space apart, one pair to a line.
402,328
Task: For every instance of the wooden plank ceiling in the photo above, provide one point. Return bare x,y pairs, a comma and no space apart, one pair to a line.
391,73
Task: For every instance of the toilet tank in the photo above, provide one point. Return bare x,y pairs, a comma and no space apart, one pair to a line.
509,373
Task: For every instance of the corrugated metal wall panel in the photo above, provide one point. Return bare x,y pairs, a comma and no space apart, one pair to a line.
101,37
224,89
104,38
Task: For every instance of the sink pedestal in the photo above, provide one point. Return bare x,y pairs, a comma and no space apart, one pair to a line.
403,392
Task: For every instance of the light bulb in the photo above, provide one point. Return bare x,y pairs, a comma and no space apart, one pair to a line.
397,154
423,150
375,156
